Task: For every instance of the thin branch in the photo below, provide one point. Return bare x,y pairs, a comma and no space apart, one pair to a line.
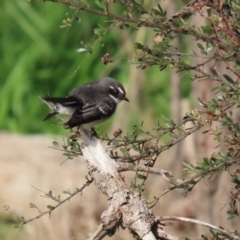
174,142
141,168
190,220
99,233
198,175
60,203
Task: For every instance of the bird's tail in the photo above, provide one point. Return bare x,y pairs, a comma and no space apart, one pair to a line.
56,104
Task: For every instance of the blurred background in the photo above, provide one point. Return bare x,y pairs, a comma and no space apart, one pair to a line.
39,57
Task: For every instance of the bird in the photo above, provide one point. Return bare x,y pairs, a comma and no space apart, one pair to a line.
89,104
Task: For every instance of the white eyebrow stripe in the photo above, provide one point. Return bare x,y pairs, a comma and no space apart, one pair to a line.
120,90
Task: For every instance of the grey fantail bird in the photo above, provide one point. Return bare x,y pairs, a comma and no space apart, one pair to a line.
89,104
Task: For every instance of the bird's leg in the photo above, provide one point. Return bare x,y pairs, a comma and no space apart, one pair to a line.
89,131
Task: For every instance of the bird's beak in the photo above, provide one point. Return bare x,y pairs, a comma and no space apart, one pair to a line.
126,99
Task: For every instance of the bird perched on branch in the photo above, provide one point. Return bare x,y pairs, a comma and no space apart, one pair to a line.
89,104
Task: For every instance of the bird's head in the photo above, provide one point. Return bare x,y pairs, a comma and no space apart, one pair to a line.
114,89
117,93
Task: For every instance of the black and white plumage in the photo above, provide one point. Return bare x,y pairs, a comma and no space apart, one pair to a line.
89,104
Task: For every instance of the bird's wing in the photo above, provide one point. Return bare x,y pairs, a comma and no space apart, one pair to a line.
66,102
90,113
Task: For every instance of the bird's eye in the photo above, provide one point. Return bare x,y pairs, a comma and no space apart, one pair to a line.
113,91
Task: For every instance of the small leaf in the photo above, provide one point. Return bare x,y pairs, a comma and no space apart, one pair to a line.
214,72
229,79
138,45
124,152
160,9
16,226
205,131
201,46
188,166
173,135
55,143
89,49
50,207
140,176
179,180
151,200
207,29
32,205
136,148
162,67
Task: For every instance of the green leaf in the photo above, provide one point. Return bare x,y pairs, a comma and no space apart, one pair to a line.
173,135
32,205
100,4
201,46
188,166
138,45
229,79
205,131
89,49
69,155
124,152
140,176
136,148
179,180
151,200
55,143
162,67
134,187
207,29
171,185
16,225
160,9
214,72
50,207
206,161
213,233
215,103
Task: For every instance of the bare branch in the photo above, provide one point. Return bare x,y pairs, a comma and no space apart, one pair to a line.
200,176
190,220
99,233
60,203
141,168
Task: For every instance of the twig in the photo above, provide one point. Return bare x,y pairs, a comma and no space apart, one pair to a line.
98,234
174,142
190,220
141,168
198,175
60,203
